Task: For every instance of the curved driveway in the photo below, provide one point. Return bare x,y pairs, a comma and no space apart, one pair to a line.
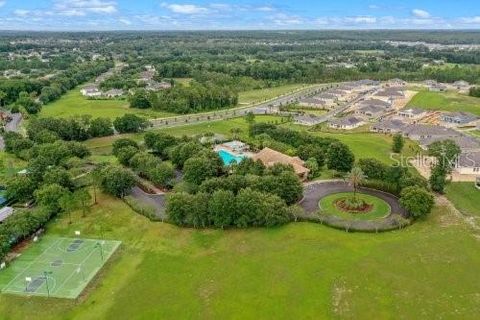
315,191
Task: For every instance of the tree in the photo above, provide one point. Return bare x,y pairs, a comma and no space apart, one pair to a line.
20,188
3,95
122,143
96,178
117,181
312,165
356,177
82,196
373,168
60,176
235,133
398,143
417,201
250,118
68,203
438,177
125,154
340,158
162,174
100,127
140,100
446,152
130,123
197,170
49,196
221,207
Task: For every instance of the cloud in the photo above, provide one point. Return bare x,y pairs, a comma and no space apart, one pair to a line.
421,14
84,7
361,19
185,8
373,7
125,21
470,20
21,12
2,3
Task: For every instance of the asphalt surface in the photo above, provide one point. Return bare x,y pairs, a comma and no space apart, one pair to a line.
13,125
236,112
315,191
157,201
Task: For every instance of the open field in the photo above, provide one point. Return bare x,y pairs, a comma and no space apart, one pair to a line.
74,104
465,197
9,165
253,96
57,267
301,270
446,101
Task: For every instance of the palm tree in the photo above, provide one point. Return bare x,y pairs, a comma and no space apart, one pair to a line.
356,177
235,133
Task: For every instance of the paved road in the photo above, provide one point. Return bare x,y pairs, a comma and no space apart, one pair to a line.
157,201
13,125
259,108
315,191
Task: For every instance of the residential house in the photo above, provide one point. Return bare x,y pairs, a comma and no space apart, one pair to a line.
421,131
91,91
270,157
308,120
468,163
466,143
114,93
389,126
438,87
377,103
312,103
346,123
462,86
391,93
371,111
412,113
5,213
461,118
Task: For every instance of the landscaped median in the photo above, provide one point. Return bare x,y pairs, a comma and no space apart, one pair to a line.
382,212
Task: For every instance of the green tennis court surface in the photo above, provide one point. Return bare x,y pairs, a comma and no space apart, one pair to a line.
56,267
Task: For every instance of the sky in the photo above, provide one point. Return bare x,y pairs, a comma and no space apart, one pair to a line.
86,15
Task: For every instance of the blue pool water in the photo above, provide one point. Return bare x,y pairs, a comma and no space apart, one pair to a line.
229,158
2,198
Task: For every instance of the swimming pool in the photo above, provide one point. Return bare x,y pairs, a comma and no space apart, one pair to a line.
229,158
3,200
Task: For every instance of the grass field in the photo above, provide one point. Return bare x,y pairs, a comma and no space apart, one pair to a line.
473,133
299,271
465,197
9,165
74,104
445,101
380,208
56,267
252,96
103,145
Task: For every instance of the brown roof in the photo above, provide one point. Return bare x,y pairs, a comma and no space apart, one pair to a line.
270,157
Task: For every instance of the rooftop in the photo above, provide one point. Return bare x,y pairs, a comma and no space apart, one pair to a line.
270,157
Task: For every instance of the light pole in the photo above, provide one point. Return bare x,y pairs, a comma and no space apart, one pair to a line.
45,274
98,245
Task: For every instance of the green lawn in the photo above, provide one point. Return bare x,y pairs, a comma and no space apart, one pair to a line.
299,271
380,208
473,133
9,165
252,96
465,197
371,145
445,101
74,104
103,145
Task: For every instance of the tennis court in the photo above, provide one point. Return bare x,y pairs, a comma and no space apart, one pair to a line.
56,267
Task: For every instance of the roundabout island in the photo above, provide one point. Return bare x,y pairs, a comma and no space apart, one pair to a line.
334,204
